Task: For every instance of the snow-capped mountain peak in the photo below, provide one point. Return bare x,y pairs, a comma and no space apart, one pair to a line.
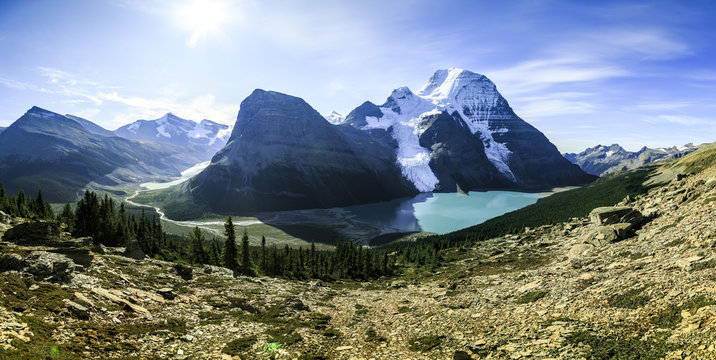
208,136
334,118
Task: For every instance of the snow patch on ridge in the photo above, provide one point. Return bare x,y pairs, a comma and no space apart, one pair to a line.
161,129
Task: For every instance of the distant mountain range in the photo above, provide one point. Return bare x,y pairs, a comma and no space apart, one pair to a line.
457,132
205,138
600,160
2,129
63,154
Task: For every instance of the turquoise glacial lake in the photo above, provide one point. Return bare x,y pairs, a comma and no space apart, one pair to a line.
442,212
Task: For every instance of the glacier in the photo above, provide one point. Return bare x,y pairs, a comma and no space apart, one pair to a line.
469,94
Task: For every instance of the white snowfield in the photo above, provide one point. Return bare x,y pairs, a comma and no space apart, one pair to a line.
452,90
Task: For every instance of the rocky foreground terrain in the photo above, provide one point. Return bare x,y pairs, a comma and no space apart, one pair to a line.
636,281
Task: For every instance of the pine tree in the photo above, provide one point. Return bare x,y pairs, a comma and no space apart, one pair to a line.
230,244
67,217
197,252
245,257
263,253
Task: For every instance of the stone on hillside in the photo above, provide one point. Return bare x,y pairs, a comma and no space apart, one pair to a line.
134,251
5,218
295,303
77,310
9,262
615,214
218,271
33,233
48,266
167,293
183,271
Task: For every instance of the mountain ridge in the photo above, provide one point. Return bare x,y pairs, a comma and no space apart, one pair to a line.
601,160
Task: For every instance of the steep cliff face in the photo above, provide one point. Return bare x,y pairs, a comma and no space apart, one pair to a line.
282,155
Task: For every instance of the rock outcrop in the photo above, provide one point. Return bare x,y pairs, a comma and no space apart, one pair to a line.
33,233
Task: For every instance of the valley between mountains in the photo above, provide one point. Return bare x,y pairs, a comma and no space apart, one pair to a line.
175,239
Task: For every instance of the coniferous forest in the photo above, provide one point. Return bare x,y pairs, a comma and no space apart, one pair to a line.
108,223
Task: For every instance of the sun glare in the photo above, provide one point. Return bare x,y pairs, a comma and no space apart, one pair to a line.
202,18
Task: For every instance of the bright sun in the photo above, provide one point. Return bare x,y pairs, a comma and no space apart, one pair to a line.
202,18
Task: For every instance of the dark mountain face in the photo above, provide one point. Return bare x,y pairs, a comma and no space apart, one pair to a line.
600,160
282,154
204,138
457,156
90,126
54,153
2,129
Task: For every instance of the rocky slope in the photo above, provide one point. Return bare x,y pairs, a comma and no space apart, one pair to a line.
204,138
282,154
638,282
59,155
601,160
492,147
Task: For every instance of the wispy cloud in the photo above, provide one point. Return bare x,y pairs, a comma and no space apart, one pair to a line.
88,97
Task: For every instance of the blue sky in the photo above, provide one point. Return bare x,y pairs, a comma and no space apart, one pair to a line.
634,73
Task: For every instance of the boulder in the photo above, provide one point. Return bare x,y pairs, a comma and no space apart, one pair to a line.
167,293
9,262
48,266
5,218
218,271
77,310
33,233
134,251
609,215
183,271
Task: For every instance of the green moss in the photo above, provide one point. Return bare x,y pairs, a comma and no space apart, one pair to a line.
372,336
332,333
239,346
283,336
425,343
619,347
671,317
631,299
704,265
531,296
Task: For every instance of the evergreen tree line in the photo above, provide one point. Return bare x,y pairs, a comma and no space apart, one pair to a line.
25,206
110,225
348,261
107,223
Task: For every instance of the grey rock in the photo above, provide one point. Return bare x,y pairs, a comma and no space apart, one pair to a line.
613,215
5,218
33,233
77,310
295,303
48,266
183,271
219,271
167,293
134,251
10,262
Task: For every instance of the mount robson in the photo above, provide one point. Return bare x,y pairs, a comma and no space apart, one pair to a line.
457,133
